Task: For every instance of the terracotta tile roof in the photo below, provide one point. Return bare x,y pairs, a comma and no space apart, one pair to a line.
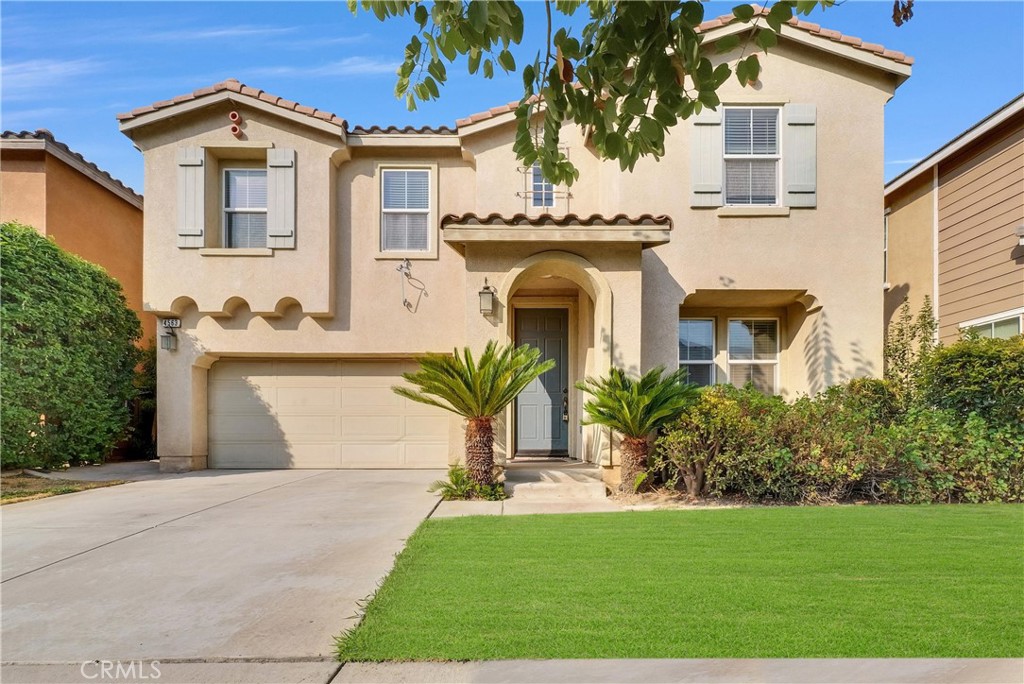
596,220
391,130
725,20
817,30
234,86
77,159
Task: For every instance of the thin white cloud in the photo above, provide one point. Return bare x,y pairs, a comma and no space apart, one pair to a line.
904,161
217,33
350,66
33,78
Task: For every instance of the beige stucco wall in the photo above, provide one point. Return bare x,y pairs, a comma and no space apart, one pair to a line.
333,296
911,252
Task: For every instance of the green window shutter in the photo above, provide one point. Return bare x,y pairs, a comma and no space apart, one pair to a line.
281,198
191,196
706,159
799,155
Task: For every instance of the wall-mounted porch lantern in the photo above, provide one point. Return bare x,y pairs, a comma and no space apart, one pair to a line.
168,338
1020,234
488,299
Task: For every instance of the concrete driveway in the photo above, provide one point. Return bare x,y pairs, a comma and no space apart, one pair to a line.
201,570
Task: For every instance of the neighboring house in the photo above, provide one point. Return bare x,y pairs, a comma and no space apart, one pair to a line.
46,185
955,230
309,261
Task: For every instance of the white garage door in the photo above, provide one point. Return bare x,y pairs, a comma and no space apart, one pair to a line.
320,414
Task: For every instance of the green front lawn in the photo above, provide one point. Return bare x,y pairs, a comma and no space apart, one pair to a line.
849,581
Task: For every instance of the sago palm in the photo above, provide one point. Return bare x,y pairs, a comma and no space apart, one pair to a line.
636,407
477,390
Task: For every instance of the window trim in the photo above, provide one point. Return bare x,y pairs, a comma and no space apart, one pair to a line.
995,318
777,157
777,362
224,210
532,192
714,348
431,211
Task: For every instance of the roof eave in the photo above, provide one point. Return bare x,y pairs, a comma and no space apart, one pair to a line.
136,122
958,143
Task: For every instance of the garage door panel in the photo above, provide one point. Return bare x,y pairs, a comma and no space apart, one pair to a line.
425,428
426,455
374,428
255,428
323,414
308,428
369,455
369,398
309,398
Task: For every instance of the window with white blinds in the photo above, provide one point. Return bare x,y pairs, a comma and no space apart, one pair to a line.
543,192
751,156
245,208
754,353
405,210
697,350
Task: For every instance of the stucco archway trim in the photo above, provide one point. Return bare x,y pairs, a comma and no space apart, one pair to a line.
580,271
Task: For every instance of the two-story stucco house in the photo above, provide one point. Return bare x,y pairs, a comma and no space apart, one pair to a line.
309,261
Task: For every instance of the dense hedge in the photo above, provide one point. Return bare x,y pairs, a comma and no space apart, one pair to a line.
69,354
960,439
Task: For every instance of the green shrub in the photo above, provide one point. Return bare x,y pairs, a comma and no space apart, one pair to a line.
69,354
461,487
849,442
947,459
982,376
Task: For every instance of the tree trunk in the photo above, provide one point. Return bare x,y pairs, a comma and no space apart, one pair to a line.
480,450
634,461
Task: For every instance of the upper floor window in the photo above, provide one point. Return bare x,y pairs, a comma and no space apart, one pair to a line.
697,350
754,353
245,208
405,210
542,192
751,156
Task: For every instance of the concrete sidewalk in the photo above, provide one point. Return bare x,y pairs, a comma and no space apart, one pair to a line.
711,671
132,471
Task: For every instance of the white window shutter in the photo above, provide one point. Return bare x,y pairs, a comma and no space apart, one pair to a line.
706,160
280,198
191,196
799,161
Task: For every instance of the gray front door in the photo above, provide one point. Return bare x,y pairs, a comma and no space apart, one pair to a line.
541,428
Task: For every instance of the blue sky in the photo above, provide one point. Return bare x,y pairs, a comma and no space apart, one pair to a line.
71,66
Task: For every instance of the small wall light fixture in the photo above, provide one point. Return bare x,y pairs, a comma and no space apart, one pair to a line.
168,340
1020,234
488,299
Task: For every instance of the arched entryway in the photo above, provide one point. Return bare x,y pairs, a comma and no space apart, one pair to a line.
546,296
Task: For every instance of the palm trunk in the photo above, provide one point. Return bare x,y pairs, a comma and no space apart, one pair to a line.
634,461
480,450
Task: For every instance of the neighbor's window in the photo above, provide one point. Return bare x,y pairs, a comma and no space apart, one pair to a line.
754,353
752,155
245,208
1004,328
405,210
697,350
542,192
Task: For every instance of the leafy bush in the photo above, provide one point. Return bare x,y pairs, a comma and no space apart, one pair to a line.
976,375
69,354
851,441
460,487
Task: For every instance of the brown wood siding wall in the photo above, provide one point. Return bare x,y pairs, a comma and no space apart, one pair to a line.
981,203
